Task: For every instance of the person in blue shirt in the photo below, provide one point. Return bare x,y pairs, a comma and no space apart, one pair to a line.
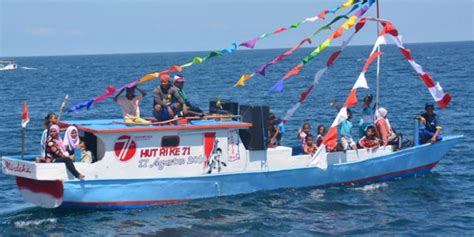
345,130
367,116
432,131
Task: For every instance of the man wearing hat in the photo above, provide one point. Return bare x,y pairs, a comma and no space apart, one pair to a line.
168,102
432,131
179,83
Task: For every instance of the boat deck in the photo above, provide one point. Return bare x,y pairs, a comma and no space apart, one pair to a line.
116,125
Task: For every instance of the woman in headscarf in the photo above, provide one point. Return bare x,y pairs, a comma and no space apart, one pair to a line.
71,139
49,120
383,129
56,152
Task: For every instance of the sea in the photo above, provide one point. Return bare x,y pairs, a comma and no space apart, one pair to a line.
438,204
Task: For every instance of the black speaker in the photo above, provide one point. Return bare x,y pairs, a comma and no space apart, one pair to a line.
256,137
228,107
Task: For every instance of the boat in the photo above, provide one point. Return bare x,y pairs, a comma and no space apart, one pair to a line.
7,65
189,158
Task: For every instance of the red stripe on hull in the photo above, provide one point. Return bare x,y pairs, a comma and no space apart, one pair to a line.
429,166
53,188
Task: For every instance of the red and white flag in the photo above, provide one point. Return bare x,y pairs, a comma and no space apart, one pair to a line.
25,117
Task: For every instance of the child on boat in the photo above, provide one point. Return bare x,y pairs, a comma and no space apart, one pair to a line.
345,130
432,131
309,146
130,105
369,141
56,152
86,154
303,132
321,134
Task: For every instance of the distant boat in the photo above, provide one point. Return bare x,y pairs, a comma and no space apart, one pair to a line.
7,65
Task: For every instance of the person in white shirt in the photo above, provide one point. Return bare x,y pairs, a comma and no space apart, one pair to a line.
130,105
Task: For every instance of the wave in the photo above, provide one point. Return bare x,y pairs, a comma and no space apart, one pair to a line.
29,68
371,187
22,224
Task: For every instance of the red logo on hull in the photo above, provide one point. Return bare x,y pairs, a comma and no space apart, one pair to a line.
125,148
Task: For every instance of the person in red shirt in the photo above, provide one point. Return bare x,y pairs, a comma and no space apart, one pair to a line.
369,141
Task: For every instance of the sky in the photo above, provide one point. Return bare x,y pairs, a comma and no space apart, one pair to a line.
75,27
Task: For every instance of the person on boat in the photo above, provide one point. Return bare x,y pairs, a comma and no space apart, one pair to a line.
50,119
167,101
178,82
345,130
309,146
130,105
369,141
86,154
275,131
367,115
432,131
56,152
71,140
321,134
383,129
303,132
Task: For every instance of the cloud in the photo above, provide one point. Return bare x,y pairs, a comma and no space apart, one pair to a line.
42,31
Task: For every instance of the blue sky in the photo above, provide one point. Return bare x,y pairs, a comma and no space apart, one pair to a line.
39,27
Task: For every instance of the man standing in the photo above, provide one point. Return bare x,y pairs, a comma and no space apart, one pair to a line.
432,131
168,102
179,83
130,105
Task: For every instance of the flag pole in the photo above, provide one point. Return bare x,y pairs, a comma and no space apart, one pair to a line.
63,105
25,118
23,138
378,63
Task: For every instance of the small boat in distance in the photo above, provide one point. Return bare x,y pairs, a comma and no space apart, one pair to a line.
7,65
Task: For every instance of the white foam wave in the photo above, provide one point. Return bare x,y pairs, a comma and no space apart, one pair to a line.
371,187
22,224
29,68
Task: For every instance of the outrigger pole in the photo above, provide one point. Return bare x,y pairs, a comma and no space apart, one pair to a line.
378,64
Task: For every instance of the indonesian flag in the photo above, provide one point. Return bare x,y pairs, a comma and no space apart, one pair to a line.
25,118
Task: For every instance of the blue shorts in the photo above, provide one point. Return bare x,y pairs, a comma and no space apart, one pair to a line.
426,135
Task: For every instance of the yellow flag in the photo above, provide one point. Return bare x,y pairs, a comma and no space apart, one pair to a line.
148,77
349,23
242,79
347,4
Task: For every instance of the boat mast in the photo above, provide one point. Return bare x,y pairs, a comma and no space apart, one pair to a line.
378,63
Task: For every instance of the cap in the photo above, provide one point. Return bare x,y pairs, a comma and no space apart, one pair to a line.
164,77
427,105
178,78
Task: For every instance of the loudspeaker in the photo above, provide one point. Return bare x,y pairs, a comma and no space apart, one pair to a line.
228,107
256,137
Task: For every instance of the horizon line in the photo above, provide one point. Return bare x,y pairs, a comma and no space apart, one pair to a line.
191,51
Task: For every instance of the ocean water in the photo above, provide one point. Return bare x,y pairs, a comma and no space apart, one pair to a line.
441,203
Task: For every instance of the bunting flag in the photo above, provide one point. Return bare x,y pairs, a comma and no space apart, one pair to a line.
25,117
323,46
249,44
330,139
323,70
434,88
88,103
348,24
